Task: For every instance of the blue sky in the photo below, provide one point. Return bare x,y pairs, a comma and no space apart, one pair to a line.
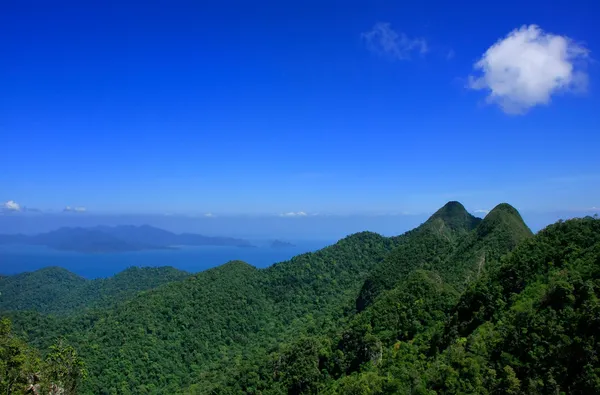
313,106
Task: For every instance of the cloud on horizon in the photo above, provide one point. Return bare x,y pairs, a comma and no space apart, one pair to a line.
294,214
527,67
385,41
75,209
11,205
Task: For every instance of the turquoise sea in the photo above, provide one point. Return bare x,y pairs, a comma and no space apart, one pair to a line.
16,259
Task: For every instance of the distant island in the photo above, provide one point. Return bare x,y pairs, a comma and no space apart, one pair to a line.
123,238
281,244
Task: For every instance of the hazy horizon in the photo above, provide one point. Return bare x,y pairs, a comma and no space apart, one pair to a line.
296,227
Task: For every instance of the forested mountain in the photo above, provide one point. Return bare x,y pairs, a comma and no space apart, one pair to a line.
118,239
453,243
182,328
458,305
56,290
428,246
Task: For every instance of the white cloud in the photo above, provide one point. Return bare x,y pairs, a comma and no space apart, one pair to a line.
527,67
75,209
481,211
11,205
384,40
209,215
294,214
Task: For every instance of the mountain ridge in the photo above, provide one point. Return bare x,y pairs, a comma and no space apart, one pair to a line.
58,291
528,326
424,247
454,215
500,231
293,327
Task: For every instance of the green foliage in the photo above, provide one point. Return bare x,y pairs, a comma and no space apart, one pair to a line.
534,332
163,339
452,242
422,248
65,370
368,383
530,325
456,306
39,290
481,249
325,281
22,370
299,366
17,360
454,217
413,306
56,290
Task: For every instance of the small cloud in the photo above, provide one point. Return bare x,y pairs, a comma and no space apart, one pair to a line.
527,67
293,214
75,209
209,215
405,213
481,211
385,41
11,205
450,55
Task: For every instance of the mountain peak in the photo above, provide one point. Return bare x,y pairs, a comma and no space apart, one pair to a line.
455,216
453,205
505,208
507,217
235,266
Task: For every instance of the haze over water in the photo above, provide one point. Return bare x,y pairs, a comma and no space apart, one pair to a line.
17,259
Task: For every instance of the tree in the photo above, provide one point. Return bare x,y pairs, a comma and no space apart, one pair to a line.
65,370
18,362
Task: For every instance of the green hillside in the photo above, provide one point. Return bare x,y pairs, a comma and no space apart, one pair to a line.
216,315
482,248
458,305
527,326
39,290
452,242
56,290
423,247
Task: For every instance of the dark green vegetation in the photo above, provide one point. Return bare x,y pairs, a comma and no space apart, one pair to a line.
56,290
458,305
118,239
22,370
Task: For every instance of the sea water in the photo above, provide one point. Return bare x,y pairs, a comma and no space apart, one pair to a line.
20,258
